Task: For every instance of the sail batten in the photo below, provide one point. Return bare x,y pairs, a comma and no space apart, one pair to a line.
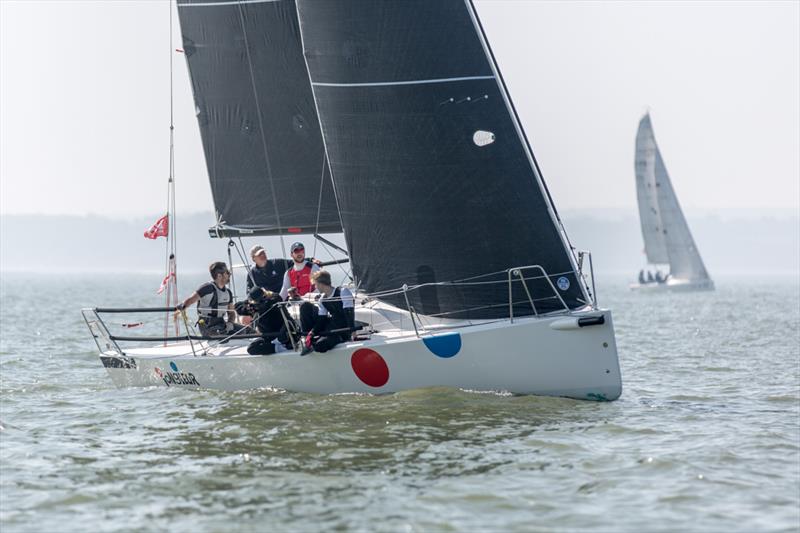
258,122
434,180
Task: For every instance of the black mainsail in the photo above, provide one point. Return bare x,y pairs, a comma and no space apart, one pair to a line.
434,178
254,103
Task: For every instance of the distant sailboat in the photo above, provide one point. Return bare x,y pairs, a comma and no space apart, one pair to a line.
667,239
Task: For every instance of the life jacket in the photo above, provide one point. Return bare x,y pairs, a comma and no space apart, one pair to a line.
217,304
301,279
340,316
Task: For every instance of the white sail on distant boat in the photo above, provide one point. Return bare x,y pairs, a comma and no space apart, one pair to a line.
389,122
668,243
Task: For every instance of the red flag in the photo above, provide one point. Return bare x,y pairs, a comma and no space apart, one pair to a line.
165,282
159,229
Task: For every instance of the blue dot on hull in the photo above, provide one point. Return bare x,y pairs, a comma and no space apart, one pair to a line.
446,345
173,366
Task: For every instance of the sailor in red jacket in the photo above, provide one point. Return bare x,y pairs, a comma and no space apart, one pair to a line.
297,280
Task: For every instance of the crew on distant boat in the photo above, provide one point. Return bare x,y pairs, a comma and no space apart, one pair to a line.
265,273
641,277
333,323
214,303
650,278
659,277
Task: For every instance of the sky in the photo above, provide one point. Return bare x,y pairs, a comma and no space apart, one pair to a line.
85,88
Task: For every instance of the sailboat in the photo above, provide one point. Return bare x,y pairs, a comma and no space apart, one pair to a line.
390,123
668,243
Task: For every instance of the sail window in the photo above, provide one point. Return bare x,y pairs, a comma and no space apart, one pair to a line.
483,138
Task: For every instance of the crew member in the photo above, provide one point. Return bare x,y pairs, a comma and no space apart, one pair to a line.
297,279
270,319
265,273
336,316
214,303
297,282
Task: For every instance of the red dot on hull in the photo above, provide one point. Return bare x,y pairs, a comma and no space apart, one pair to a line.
370,367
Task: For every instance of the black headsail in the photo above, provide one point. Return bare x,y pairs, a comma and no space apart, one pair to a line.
259,125
433,175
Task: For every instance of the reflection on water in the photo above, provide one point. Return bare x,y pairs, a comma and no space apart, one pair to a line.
430,432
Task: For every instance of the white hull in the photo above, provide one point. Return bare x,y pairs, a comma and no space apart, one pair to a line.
546,355
675,285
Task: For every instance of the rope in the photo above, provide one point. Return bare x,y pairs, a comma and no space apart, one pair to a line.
462,282
348,273
244,261
231,244
319,202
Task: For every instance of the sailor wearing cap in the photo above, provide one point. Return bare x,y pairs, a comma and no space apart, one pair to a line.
266,273
297,282
297,279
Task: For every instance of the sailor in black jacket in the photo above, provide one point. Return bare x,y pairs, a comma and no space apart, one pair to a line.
335,319
266,273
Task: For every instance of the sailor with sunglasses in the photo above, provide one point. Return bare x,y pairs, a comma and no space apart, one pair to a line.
214,303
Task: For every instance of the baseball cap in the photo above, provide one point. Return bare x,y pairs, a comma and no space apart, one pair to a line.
256,250
297,246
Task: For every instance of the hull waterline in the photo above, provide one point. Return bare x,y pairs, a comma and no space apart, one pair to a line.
674,285
571,355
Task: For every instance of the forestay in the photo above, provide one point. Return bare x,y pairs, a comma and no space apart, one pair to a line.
261,136
433,175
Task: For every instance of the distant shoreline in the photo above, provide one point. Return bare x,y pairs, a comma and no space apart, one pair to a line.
732,242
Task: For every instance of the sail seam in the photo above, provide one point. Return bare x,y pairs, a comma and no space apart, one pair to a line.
407,82
227,3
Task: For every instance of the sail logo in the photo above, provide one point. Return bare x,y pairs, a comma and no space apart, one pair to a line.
175,377
563,283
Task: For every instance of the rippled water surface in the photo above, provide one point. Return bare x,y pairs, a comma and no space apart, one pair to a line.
706,436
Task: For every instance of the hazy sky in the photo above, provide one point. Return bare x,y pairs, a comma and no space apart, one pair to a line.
84,102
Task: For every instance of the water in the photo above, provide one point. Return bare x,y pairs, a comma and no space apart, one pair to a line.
706,436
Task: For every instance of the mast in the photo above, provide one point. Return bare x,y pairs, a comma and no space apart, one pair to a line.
171,291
